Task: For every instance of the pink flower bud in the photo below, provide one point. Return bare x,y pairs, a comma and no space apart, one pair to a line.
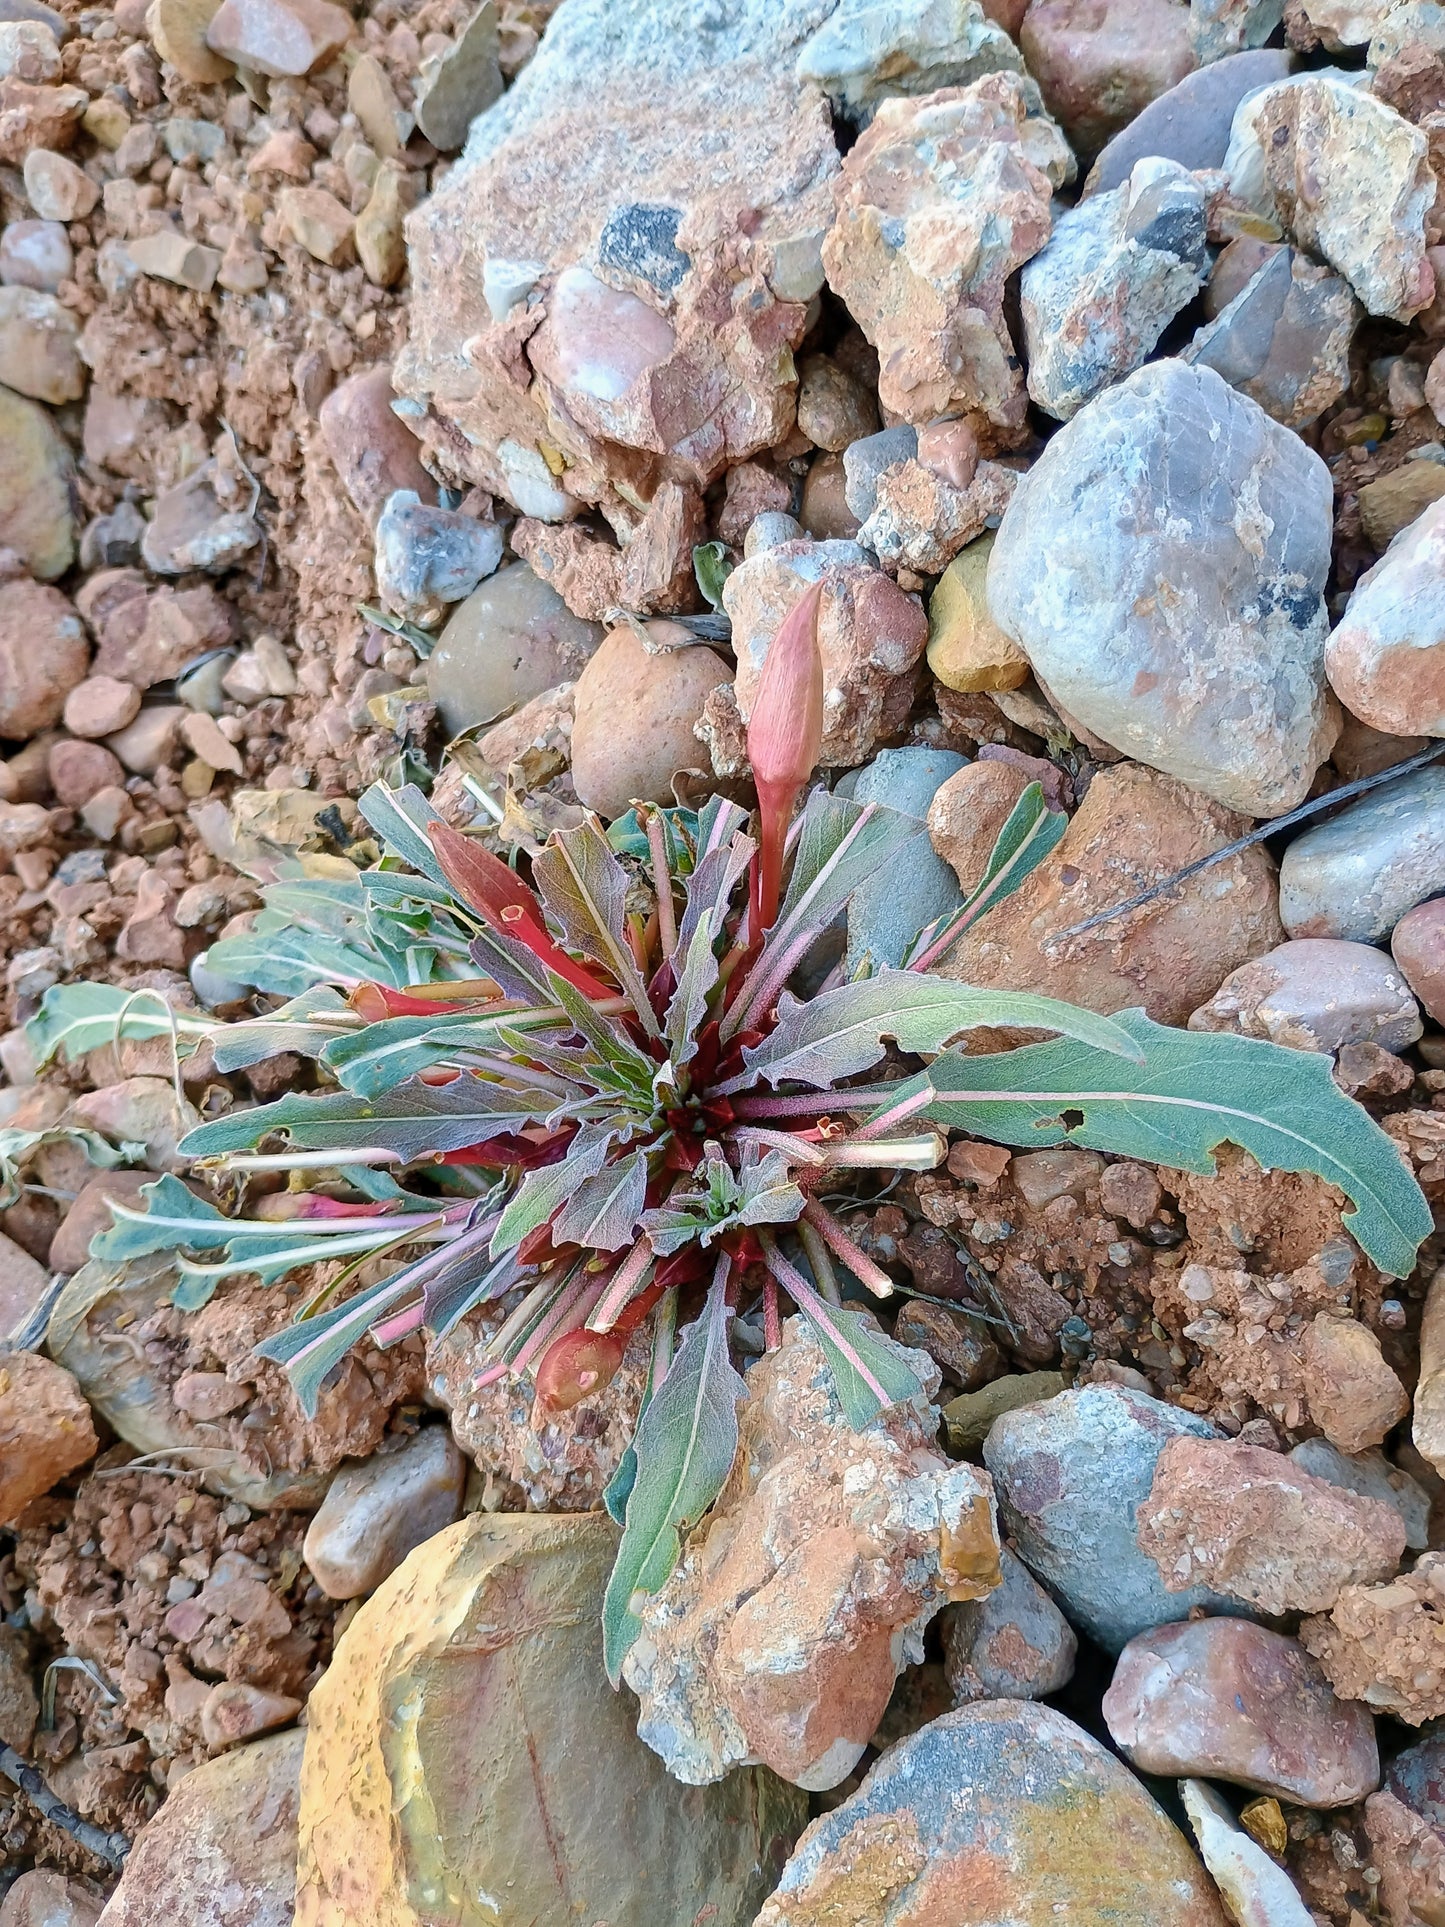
785,734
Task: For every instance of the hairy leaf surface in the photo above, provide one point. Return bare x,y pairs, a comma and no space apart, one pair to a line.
413,1121
685,1445
1193,1092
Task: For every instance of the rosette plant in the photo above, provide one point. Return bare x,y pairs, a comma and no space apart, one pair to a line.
592,1098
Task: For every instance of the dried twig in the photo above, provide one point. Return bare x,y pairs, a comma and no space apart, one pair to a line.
1257,835
110,1847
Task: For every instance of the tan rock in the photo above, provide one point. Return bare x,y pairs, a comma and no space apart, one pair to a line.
373,453
19,1707
824,511
1133,828
35,465
1385,1644
178,33
969,810
39,356
106,122
278,38
1392,502
222,1849
376,1513
171,256
234,1711
44,1898
23,1283
964,177
781,1633
1386,659
372,98
966,648
1254,1525
45,1429
318,222
1100,65
32,116
56,188
921,519
834,408
636,719
1354,1396
870,635
79,771
512,1749
1410,1856
90,1214
380,243
675,358
43,655
1428,1423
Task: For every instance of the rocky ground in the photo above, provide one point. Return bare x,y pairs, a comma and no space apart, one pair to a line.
1090,354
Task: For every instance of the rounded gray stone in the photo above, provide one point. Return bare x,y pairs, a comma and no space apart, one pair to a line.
888,911
1163,566
1358,874
1190,124
1070,1475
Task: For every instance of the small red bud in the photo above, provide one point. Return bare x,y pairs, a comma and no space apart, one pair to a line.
576,1365
785,734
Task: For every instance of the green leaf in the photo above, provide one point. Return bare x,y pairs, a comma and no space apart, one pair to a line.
1193,1092
285,960
868,1370
839,847
711,885
601,1213
379,1056
306,1025
414,1121
1030,833
712,565
841,1033
585,887
686,1441
761,1192
312,1349
76,1018
400,819
17,1147
542,1192
688,1004
628,838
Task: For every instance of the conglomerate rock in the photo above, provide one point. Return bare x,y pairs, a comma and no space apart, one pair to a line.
592,306
940,201
783,1629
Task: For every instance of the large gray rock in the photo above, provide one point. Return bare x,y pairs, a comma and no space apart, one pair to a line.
1070,1475
1284,340
1116,271
1358,874
1162,565
1005,1811
1316,993
1190,124
1013,1644
887,913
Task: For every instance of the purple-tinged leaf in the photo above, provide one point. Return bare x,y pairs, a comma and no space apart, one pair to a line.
869,1370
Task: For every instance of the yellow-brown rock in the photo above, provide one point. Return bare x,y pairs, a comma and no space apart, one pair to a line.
35,515
45,1429
967,650
467,1762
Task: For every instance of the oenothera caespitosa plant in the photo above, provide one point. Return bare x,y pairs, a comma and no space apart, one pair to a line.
630,1116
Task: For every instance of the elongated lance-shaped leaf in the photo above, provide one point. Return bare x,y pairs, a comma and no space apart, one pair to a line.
869,1370
467,1278
585,888
17,1147
1193,1092
284,959
518,971
311,1350
633,1068
306,1025
711,885
542,1192
716,824
602,1213
618,1489
402,819
873,836
688,1004
76,1018
380,1056
415,1121
685,1443
1030,833
841,1033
